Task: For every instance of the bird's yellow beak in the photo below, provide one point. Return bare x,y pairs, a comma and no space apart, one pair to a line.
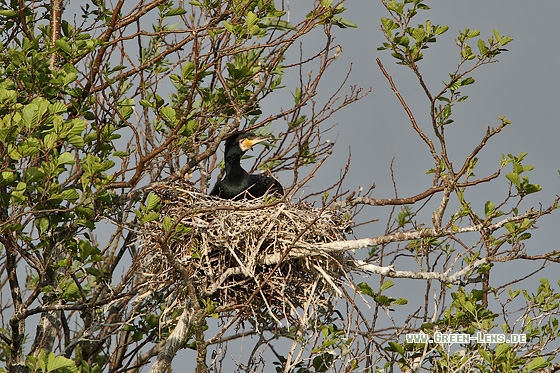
248,143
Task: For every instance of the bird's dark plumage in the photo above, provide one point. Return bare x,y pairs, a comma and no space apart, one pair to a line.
238,184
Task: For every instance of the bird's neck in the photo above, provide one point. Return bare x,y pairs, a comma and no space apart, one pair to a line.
233,166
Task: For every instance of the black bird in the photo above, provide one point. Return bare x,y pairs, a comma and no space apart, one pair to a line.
238,184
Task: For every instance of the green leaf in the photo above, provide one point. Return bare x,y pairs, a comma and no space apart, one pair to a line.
120,153
71,292
149,217
388,24
77,141
396,347
526,223
65,158
167,223
42,224
456,84
182,229
57,108
8,177
60,363
8,13
34,174
137,336
17,193
441,30
386,285
489,208
297,96
30,115
85,249
251,19
228,26
70,195
343,22
473,34
175,12
510,226
466,53
532,188
535,364
77,126
502,349
152,202
482,47
505,40
514,178
402,40
85,212
469,306
322,362
277,24
524,236
30,146
187,70
418,34
63,45
168,113
366,289
146,103
192,126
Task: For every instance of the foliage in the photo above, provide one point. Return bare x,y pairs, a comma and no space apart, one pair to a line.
85,127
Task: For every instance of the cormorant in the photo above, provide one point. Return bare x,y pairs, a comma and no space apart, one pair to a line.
238,184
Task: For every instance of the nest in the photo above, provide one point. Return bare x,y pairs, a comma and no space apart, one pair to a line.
263,255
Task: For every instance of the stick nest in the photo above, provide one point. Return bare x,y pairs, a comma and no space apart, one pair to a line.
263,254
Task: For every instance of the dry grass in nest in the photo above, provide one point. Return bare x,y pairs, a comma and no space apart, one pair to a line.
230,249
